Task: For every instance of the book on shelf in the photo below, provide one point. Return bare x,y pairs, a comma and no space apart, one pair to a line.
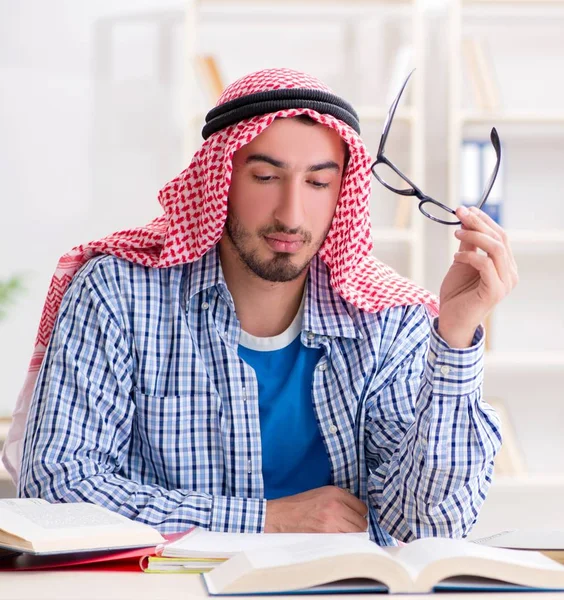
357,565
477,164
208,70
35,526
549,542
200,550
481,74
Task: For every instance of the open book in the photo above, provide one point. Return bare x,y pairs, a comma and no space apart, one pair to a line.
35,526
549,542
199,550
359,565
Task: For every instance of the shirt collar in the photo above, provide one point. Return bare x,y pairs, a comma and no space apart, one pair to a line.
326,313
205,273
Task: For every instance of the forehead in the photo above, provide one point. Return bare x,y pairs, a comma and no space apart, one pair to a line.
291,136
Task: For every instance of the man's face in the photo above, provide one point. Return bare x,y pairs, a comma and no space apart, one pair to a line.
283,194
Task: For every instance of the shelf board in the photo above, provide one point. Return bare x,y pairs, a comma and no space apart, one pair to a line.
493,118
509,2
536,236
524,11
392,234
524,361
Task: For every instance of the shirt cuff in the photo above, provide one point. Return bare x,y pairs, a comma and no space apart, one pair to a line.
455,371
238,515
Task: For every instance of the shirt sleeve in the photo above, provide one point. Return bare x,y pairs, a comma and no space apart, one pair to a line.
430,438
80,422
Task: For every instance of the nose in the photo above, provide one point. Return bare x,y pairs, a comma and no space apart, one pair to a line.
290,209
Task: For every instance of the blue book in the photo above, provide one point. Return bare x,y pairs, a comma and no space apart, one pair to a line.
356,565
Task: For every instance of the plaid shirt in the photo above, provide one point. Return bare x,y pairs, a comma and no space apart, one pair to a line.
143,405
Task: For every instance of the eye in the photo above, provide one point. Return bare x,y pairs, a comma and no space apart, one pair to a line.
263,178
319,184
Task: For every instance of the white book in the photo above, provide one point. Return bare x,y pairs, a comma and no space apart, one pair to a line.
35,526
418,567
548,541
470,180
200,543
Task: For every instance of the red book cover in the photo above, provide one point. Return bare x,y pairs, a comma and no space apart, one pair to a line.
121,560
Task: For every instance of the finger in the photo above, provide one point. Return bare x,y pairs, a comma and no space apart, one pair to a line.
464,245
503,235
353,522
354,503
470,220
495,250
485,267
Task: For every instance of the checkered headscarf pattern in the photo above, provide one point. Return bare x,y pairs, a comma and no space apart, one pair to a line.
195,210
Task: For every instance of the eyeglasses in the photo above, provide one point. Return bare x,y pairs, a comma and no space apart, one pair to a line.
431,208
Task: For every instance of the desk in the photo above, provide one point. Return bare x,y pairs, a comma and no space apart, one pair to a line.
100,585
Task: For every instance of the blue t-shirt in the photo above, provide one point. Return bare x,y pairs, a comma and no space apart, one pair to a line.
294,458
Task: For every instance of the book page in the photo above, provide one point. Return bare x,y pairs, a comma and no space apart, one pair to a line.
202,543
305,565
526,539
37,519
431,560
313,549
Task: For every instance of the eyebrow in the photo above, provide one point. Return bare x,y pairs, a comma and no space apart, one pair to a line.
328,164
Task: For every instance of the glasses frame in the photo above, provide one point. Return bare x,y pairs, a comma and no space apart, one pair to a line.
413,190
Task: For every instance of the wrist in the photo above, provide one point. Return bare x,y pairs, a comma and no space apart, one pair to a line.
456,337
271,522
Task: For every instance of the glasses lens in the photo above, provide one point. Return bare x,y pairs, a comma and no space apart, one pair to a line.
437,212
390,178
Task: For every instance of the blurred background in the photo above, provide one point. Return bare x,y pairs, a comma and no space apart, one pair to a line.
102,102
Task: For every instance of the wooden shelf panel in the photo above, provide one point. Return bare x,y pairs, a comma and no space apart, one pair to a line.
524,361
536,236
393,234
494,118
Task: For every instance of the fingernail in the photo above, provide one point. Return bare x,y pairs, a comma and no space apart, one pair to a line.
463,211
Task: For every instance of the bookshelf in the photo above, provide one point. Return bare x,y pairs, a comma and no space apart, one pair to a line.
397,226
525,362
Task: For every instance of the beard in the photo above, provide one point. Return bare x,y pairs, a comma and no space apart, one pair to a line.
280,268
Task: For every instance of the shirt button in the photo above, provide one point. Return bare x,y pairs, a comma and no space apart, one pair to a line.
205,306
310,335
333,429
322,367
445,370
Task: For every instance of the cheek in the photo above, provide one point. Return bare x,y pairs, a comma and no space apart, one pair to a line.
248,203
320,213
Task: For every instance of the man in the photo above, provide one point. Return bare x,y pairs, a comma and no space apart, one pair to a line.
244,364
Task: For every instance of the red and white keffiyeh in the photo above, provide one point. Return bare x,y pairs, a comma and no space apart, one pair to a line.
195,210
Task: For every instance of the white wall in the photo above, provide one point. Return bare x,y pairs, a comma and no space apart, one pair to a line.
86,143
82,152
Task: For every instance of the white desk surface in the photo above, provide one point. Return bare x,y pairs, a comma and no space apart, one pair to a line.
101,585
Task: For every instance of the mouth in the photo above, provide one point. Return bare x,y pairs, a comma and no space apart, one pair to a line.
280,242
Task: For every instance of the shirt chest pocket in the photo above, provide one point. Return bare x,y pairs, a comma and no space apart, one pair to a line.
179,437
